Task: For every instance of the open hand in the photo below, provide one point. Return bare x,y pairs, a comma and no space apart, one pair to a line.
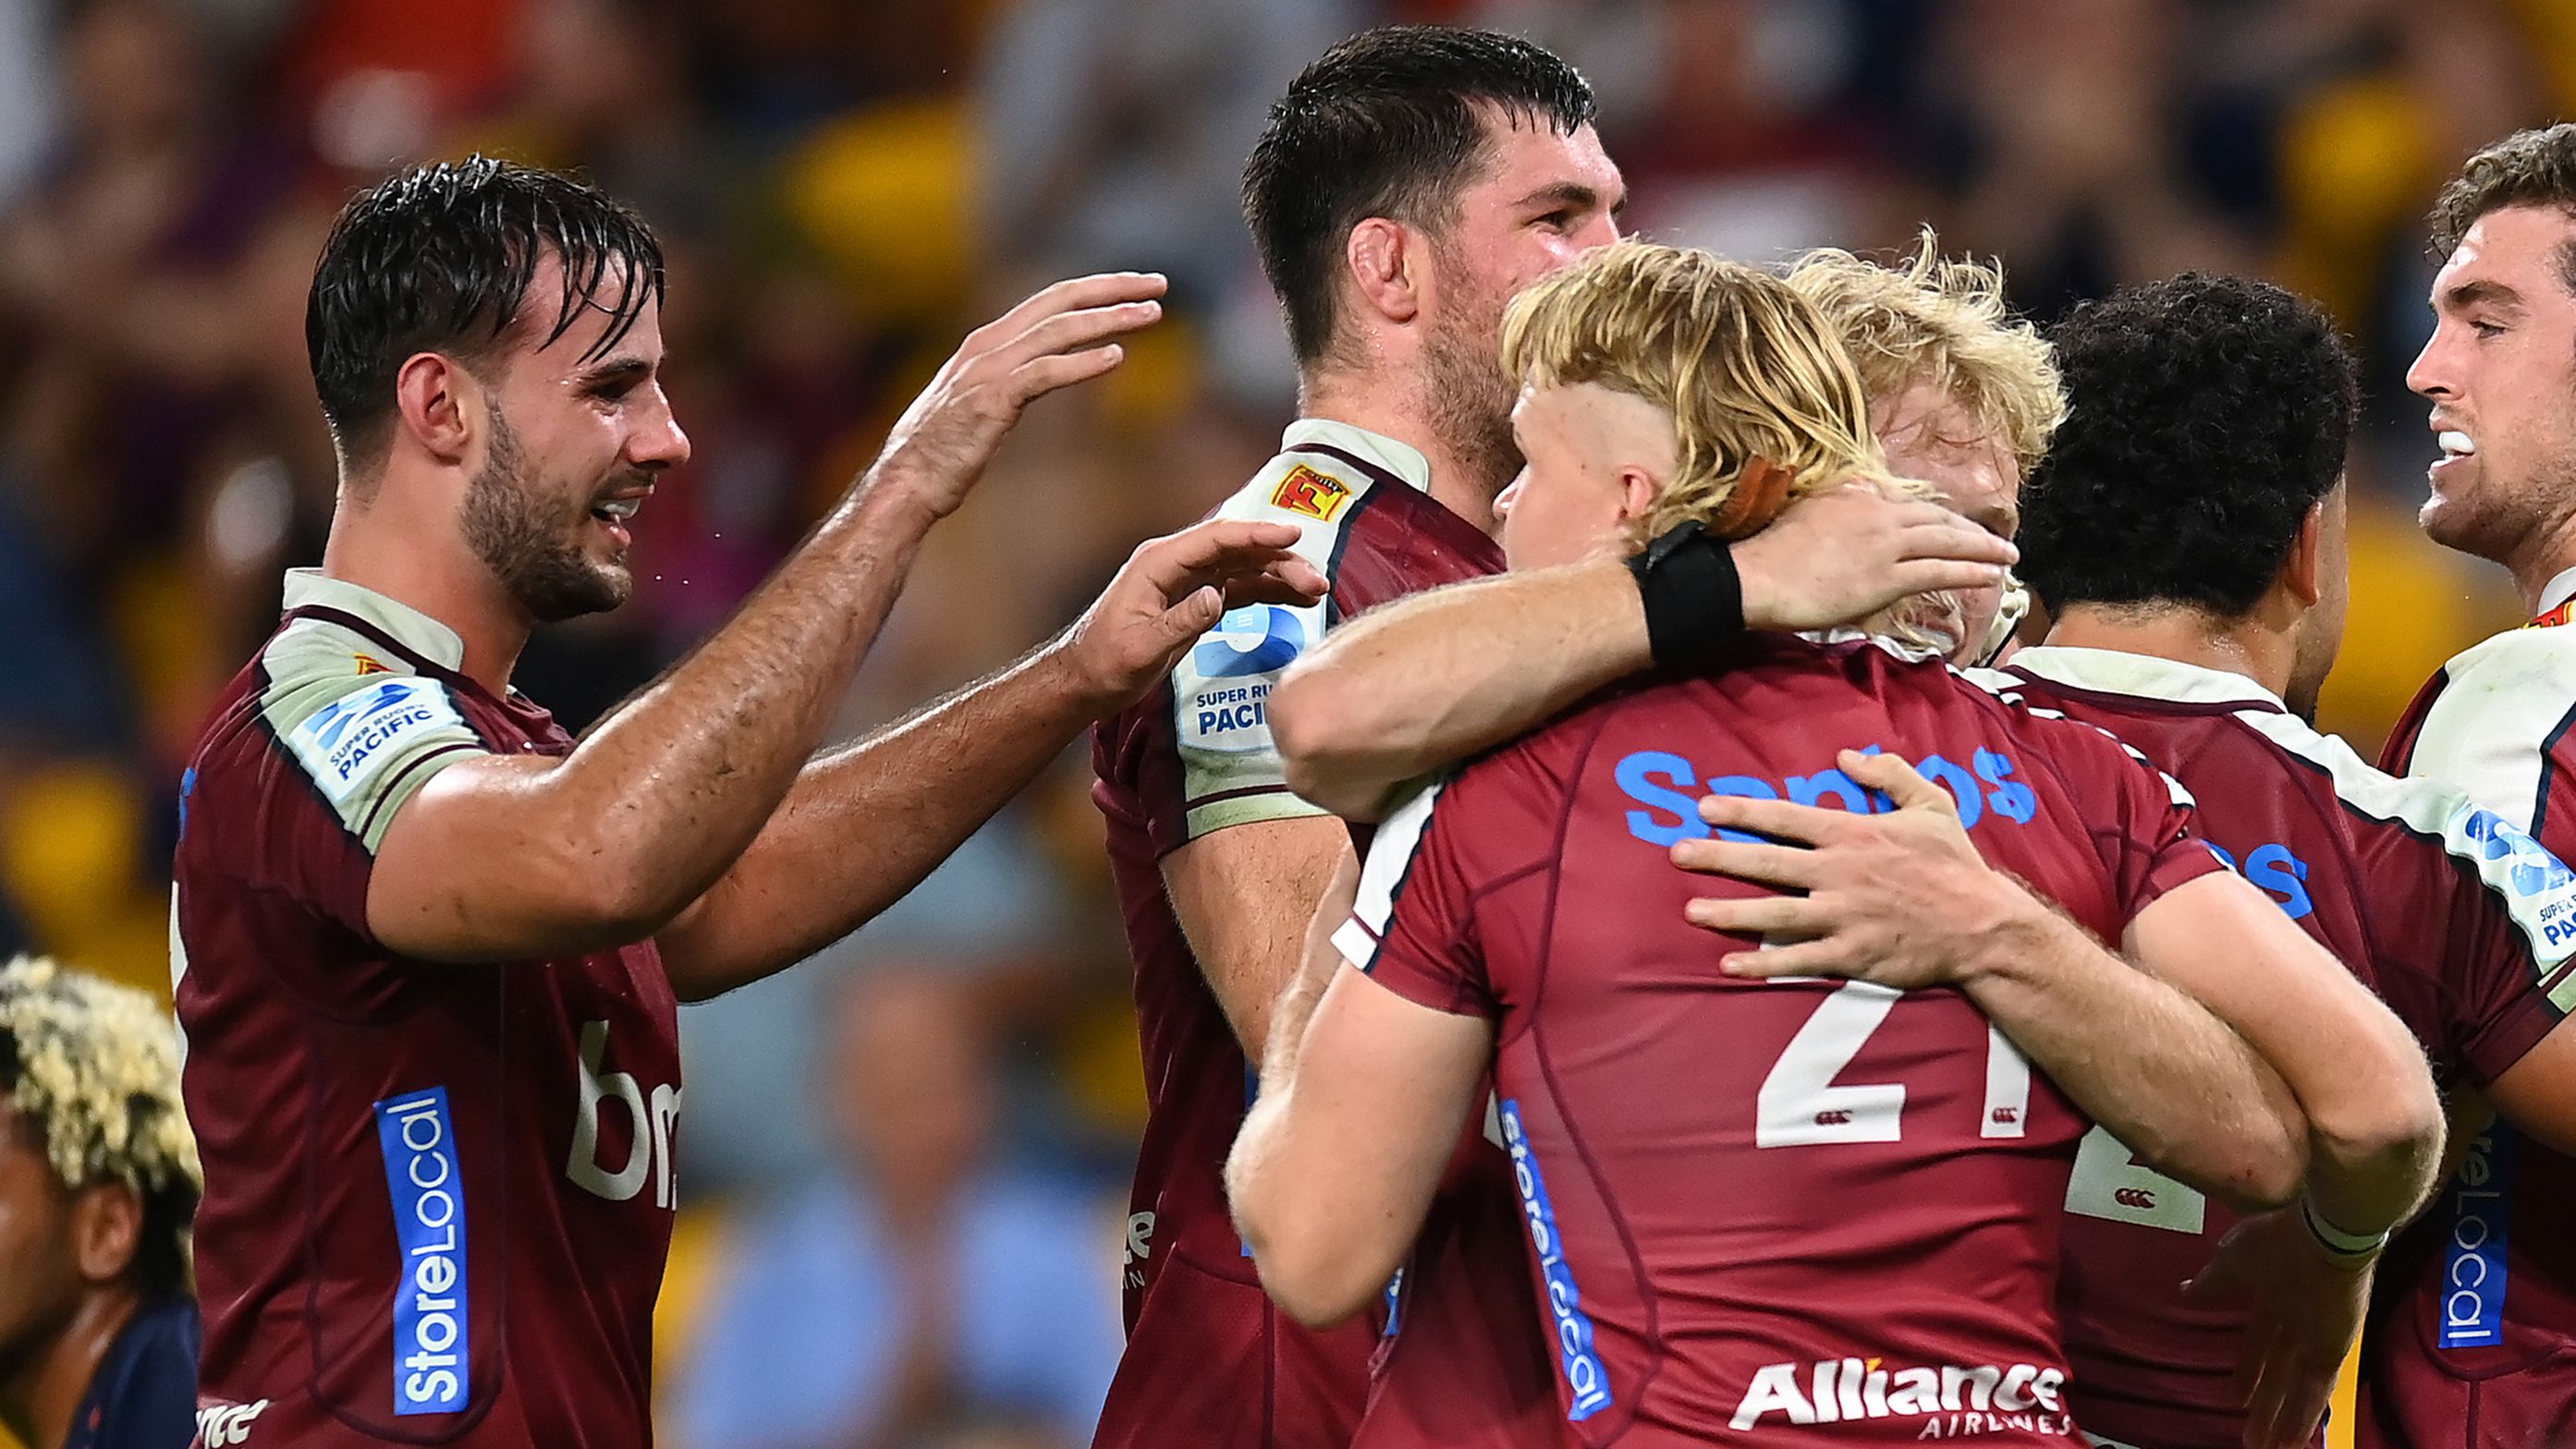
1174,589
1839,556
1899,898
1057,338
2305,1310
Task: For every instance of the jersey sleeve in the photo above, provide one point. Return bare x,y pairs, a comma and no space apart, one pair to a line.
352,742
2502,957
1413,928
2495,725
2155,845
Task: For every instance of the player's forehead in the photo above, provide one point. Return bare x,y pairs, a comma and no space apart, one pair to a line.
2512,256
566,331
1529,158
1932,434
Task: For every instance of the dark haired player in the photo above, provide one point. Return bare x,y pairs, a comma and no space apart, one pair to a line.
2473,1332
430,946
1409,183
98,1179
2186,534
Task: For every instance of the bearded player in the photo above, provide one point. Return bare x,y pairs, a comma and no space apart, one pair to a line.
1676,1133
2473,1330
1408,184
429,946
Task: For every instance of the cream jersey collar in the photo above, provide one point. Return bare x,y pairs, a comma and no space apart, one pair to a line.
1377,449
409,627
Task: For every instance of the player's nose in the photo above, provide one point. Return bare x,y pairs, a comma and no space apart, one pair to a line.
659,441
2432,373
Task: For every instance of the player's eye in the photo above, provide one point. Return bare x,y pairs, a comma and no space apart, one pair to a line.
1559,220
2485,328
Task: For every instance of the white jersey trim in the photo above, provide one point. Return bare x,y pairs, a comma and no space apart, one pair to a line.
1382,876
2501,705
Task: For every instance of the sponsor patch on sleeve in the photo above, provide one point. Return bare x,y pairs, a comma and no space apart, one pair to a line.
1316,495
1221,691
349,740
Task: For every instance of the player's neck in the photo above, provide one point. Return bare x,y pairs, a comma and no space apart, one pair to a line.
39,1397
1460,482
2544,555
2186,636
429,568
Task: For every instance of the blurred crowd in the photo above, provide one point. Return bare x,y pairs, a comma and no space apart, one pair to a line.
897,1154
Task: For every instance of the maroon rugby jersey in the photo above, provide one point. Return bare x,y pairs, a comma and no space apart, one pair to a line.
1209,1360
438,1197
1788,1212
2472,1339
2454,917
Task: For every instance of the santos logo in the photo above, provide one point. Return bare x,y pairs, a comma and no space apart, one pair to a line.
433,1360
1672,785
1837,1390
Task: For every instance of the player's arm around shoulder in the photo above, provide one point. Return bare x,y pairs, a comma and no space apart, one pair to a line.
1364,1087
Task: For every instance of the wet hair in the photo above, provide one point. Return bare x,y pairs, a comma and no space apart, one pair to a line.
1389,123
94,1068
440,258
2528,168
2205,417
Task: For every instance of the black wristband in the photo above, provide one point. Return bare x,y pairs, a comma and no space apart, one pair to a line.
1694,600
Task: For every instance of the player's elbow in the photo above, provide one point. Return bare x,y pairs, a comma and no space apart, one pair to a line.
597,894
2386,1124
1318,726
1317,1282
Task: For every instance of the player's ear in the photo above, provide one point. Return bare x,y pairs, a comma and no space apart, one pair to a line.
1637,491
1389,265
430,404
107,1226
2303,572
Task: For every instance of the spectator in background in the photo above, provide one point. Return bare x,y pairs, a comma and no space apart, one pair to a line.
927,1295
98,1184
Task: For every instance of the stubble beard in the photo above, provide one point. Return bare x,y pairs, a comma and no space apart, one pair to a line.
523,540
1469,399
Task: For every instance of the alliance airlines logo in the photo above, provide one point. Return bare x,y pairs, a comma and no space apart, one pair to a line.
1953,1401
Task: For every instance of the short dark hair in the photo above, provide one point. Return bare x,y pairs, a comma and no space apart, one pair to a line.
2528,168
2204,417
439,259
1385,124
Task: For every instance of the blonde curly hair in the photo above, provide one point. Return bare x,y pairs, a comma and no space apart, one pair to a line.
94,1067
1941,320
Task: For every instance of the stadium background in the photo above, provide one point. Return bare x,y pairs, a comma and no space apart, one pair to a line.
844,186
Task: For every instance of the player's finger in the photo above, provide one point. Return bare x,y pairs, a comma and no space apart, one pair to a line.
1807,824
1074,331
1036,378
1928,575
1827,957
1100,289
1891,776
1293,582
1171,561
1956,538
1195,614
1794,916
1790,867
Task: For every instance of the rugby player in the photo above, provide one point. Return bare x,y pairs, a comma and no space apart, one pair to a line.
98,1181
1408,184
2186,535
1690,1185
428,947
2473,1330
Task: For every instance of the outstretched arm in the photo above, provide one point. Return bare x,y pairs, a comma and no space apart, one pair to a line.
513,857
865,824
1429,680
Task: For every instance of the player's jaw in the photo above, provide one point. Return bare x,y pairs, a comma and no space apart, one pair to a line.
559,552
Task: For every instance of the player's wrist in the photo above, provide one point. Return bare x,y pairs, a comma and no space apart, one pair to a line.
2339,1246
1693,596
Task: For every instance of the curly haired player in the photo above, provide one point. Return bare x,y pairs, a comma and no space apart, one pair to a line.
98,1183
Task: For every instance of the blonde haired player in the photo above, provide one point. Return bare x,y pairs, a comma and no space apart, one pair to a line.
1682,1128
98,1182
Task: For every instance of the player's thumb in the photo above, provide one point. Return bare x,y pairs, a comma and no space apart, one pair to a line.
1195,614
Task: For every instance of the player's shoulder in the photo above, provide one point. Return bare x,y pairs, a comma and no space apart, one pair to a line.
1306,485
2518,686
2076,749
